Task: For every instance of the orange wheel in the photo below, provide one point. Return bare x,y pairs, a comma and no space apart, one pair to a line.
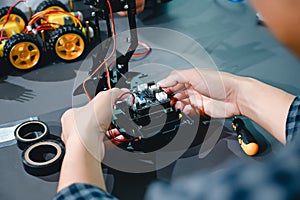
69,46
22,51
16,16
68,43
24,55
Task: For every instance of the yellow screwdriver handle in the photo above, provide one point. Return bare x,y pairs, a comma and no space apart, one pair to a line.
245,138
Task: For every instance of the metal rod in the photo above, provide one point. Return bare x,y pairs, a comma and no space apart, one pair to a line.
43,40
71,6
88,34
30,11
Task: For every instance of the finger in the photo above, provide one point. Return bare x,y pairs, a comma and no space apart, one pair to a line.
108,97
195,100
125,95
139,9
182,103
181,95
140,5
122,13
179,105
207,106
189,110
170,81
218,108
102,106
210,107
176,88
120,94
177,77
178,97
205,81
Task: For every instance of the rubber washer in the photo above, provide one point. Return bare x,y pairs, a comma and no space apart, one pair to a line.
43,158
31,132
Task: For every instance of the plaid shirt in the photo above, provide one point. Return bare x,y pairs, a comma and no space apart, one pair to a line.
277,178
293,120
80,191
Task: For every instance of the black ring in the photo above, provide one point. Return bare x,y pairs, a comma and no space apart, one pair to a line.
30,132
43,158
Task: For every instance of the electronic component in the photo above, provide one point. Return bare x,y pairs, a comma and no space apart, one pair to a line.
147,121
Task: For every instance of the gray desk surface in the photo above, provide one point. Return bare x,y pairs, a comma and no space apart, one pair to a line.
227,31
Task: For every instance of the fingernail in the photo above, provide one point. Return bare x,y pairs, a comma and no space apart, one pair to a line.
176,96
187,109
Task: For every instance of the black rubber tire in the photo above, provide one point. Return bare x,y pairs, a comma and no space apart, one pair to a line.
16,11
14,40
48,3
57,33
26,133
34,161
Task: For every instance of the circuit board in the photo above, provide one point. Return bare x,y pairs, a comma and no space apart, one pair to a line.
146,121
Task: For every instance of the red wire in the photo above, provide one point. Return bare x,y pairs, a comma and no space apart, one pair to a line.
109,57
44,27
124,93
116,139
148,50
7,16
112,63
45,13
115,136
147,47
42,15
107,76
121,140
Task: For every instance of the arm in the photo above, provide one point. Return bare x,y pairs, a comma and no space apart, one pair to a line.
266,105
79,166
82,132
276,177
248,179
220,94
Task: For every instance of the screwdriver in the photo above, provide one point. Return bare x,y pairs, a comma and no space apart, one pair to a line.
245,138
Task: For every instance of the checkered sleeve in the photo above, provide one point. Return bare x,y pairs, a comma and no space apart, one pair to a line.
276,178
293,120
83,191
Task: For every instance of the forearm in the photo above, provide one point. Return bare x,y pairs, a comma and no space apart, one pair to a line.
266,105
79,166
